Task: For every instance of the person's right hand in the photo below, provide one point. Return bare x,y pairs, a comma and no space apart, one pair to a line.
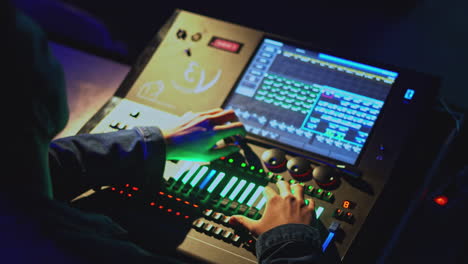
286,208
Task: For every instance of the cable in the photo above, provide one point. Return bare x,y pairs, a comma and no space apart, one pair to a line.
452,114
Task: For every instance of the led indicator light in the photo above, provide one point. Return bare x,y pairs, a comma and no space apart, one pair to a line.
327,241
243,165
230,160
261,203
198,176
228,187
184,168
441,200
216,182
409,94
255,195
237,190
190,173
246,192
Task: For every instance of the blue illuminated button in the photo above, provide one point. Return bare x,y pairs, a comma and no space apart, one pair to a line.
207,179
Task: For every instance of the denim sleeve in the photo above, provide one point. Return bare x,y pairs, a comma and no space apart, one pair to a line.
82,162
291,243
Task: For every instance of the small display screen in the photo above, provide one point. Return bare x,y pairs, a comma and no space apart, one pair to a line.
309,100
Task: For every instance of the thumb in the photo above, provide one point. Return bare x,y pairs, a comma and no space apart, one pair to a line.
240,220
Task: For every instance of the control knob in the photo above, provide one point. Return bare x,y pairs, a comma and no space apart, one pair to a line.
274,160
325,176
300,169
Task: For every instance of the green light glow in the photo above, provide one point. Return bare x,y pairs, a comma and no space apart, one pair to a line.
228,187
252,167
190,173
198,176
243,165
255,195
230,160
261,170
319,211
237,190
216,182
246,192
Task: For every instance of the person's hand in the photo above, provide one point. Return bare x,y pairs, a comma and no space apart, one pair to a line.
286,208
198,133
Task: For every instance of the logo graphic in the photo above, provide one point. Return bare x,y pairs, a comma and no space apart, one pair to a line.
200,86
151,90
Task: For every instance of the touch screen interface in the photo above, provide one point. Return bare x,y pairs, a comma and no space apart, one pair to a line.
313,101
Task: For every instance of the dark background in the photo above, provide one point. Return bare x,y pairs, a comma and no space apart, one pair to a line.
428,36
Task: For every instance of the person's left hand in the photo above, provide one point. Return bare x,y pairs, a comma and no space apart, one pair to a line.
196,137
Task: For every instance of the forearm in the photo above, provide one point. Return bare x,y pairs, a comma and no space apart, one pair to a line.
291,243
82,162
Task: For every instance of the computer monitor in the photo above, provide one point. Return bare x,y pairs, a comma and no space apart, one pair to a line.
315,102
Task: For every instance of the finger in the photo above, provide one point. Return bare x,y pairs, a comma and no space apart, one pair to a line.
223,117
284,188
228,130
222,152
240,220
211,111
268,192
298,191
311,204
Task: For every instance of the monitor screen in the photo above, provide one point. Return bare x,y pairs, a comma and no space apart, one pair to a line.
312,101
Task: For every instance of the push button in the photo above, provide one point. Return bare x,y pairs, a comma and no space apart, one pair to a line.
328,196
226,235
181,34
208,212
225,220
233,206
217,232
349,217
135,113
208,228
236,240
242,209
338,214
114,124
198,224
250,245
217,216
252,213
197,36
